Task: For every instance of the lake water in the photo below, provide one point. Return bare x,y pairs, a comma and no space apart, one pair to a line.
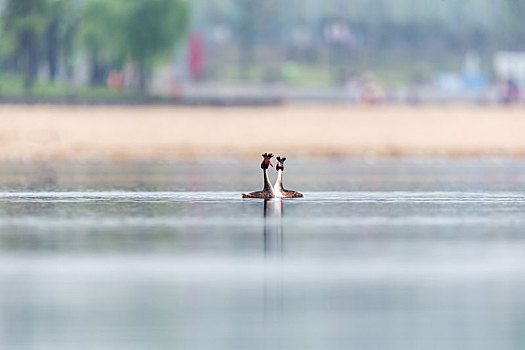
379,254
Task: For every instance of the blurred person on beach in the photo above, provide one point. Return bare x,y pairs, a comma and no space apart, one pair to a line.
511,92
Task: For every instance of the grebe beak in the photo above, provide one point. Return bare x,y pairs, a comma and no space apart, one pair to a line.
271,164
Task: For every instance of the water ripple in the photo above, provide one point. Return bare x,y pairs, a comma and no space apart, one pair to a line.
229,197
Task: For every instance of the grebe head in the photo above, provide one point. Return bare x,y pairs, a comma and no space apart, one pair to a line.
280,163
266,161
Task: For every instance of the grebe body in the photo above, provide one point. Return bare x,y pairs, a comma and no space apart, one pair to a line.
279,190
267,191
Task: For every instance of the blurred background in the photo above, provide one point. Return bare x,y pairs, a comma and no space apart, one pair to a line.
372,51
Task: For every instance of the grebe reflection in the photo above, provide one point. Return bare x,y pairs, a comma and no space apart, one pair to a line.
273,227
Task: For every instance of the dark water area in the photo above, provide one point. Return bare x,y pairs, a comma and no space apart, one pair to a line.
379,254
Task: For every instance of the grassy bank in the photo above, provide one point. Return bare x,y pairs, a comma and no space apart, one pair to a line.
12,87
12,92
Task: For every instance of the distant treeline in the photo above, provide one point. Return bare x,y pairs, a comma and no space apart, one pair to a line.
255,37
381,32
110,34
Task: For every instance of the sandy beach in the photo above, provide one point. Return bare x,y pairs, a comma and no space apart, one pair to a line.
81,132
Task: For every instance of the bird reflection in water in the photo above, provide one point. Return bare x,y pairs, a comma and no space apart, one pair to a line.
273,227
273,277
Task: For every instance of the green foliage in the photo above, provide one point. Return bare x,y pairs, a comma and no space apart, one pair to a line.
25,22
57,34
102,34
255,17
101,28
152,28
515,30
399,40
138,31
23,18
12,87
112,33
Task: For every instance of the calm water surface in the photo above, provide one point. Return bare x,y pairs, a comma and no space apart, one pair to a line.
379,254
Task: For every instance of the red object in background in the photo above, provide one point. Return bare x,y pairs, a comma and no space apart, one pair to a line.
195,55
115,80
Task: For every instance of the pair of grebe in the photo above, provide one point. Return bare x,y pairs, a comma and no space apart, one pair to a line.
269,191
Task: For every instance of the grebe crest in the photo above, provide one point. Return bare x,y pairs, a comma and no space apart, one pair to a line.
266,160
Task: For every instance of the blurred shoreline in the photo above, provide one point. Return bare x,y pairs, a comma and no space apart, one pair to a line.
156,132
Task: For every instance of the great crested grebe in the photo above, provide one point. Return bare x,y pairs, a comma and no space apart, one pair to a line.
267,191
278,187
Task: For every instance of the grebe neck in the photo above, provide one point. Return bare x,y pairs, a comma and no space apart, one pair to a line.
278,187
267,185
279,182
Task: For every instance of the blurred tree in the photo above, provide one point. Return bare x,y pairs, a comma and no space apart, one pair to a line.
25,23
515,33
57,13
255,17
153,27
69,34
247,19
101,32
